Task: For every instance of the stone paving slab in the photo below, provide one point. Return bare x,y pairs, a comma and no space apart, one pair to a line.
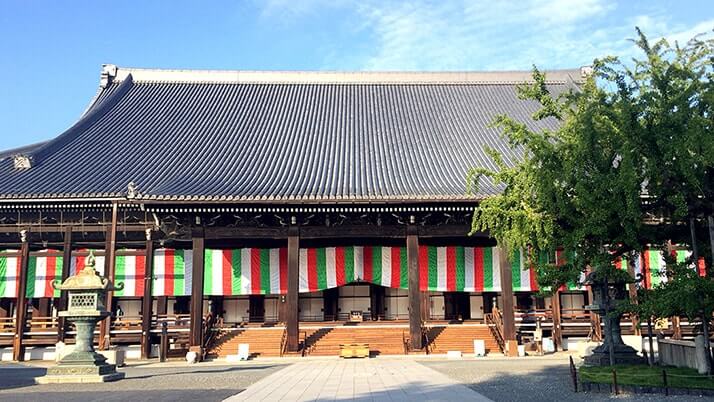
358,379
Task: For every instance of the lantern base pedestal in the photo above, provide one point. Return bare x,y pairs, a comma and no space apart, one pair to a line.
81,367
78,378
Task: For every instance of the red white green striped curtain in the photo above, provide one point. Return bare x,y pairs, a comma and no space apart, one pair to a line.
652,266
245,271
43,268
173,271
523,274
560,258
329,267
683,255
9,269
131,271
462,269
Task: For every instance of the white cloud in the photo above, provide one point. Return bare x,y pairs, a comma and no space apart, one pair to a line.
484,35
481,35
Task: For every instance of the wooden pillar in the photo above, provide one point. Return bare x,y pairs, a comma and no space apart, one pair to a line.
415,295
196,331
376,301
676,324
4,308
632,291
291,301
146,299
162,305
557,320
330,299
509,319
18,350
425,306
595,323
43,307
109,265
66,265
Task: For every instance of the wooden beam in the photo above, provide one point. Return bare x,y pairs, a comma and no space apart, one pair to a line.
415,295
146,299
66,266
245,232
196,331
291,301
77,227
507,311
109,265
18,350
352,231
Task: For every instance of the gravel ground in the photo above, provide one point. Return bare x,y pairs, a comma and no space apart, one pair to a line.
145,382
531,379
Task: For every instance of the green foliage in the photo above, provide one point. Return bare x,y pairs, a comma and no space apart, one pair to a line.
677,377
684,294
629,164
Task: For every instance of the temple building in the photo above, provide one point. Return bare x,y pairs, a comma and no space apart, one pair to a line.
292,211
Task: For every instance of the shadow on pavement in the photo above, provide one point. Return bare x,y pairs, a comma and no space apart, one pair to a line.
173,371
122,396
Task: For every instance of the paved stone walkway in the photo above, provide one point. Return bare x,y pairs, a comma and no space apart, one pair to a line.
378,379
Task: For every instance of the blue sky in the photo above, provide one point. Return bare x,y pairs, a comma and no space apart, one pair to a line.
51,51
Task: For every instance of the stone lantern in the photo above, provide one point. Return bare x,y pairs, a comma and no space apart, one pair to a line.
606,294
86,307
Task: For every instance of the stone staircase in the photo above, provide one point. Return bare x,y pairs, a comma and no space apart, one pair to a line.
382,340
326,341
460,337
263,342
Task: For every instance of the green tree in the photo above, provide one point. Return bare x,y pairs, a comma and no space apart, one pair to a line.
628,166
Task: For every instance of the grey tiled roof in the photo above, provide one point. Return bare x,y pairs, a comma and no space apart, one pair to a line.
279,137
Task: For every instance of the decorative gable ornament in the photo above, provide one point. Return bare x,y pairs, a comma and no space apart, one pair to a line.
22,162
131,190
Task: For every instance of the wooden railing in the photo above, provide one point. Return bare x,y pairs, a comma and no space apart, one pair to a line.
494,320
209,333
126,323
426,342
284,342
175,321
7,325
42,325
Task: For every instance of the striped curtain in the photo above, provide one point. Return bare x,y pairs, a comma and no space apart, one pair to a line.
683,255
9,266
462,269
523,276
131,271
245,271
43,268
328,267
172,272
561,258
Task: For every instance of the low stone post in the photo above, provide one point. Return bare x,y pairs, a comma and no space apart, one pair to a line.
702,355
